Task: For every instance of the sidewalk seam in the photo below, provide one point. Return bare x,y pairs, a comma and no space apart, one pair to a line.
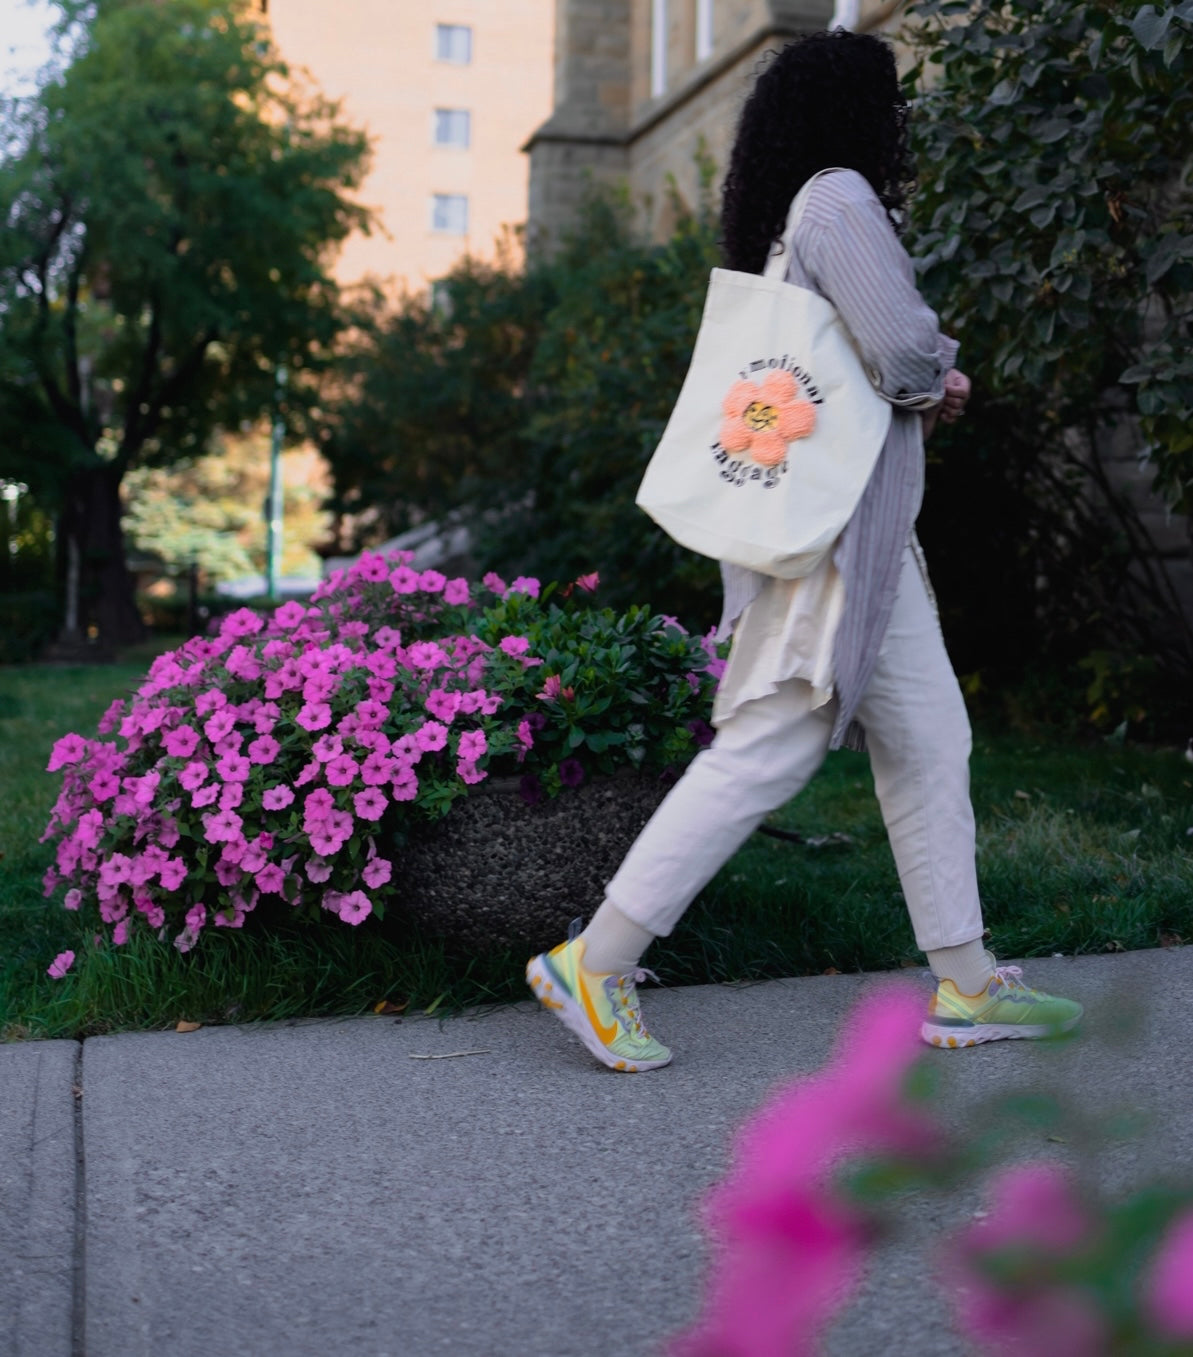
78,1345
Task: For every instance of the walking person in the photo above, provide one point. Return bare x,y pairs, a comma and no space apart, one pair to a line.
852,654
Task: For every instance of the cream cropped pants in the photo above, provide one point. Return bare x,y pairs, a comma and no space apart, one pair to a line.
918,737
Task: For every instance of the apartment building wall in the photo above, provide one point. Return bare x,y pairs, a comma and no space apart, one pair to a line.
383,58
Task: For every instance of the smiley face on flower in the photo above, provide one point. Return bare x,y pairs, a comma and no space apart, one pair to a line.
761,420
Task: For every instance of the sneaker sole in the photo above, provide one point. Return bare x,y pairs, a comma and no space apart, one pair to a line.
558,1001
953,1038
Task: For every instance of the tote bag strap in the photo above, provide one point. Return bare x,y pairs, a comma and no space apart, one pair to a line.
780,254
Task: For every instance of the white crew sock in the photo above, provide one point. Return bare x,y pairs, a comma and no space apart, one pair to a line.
613,943
969,966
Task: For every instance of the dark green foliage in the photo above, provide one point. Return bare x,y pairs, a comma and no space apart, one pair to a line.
534,399
1054,228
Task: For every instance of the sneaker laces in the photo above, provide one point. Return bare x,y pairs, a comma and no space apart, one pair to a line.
629,994
1010,976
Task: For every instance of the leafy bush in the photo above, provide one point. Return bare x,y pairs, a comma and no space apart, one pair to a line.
1054,230
284,756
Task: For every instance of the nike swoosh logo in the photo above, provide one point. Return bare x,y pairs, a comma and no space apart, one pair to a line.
607,1032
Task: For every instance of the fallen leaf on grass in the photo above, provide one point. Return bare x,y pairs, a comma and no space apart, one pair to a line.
386,1007
188,1027
448,1055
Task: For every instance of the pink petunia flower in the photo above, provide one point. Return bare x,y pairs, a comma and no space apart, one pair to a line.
194,775
588,583
205,795
231,795
173,873
431,736
318,871
69,749
264,749
181,743
234,768
467,771
327,747
494,582
472,745
426,655
314,716
104,785
456,591
432,582
289,615
60,965
222,827
74,898
443,705
377,872
270,879
370,804
342,771
277,798
526,584
761,420
514,645
219,725
404,580
355,907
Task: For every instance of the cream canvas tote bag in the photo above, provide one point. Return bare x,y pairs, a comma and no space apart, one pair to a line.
777,427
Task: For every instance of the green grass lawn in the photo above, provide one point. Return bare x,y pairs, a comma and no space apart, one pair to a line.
1081,849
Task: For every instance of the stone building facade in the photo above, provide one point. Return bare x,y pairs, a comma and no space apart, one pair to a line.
642,88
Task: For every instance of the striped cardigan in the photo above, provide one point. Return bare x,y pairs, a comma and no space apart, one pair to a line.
846,250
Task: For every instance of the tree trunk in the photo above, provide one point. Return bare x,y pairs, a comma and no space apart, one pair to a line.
106,592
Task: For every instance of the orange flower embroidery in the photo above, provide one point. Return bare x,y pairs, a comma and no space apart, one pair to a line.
762,420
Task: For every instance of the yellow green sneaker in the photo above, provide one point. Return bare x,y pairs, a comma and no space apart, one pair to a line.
602,1010
1006,1008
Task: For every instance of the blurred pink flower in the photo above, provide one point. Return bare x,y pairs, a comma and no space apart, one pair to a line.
588,583
1168,1289
342,771
788,1251
494,582
1036,1218
514,645
60,965
193,775
526,584
456,591
468,772
269,879
432,582
404,580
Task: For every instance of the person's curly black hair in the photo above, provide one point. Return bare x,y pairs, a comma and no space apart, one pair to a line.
825,100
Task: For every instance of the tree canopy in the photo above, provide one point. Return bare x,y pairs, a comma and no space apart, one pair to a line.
170,204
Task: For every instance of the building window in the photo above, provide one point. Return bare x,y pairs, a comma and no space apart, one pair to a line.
453,42
453,127
449,214
704,40
658,48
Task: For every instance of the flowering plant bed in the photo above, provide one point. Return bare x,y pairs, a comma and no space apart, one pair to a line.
292,756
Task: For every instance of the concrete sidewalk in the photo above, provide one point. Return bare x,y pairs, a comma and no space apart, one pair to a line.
311,1188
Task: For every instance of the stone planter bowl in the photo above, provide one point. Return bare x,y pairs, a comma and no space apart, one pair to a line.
498,872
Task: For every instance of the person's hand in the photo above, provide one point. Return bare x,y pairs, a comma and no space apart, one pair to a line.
956,394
